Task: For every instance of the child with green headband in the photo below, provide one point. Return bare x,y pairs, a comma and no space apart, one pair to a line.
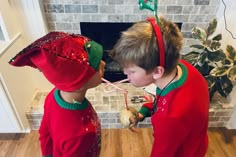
150,54
72,63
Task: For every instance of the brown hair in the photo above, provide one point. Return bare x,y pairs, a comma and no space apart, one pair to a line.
138,46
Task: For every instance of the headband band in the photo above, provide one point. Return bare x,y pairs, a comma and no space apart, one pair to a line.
159,39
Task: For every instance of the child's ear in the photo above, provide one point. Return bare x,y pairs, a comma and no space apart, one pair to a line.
158,72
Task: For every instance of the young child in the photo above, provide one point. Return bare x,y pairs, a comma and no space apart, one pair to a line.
72,63
149,53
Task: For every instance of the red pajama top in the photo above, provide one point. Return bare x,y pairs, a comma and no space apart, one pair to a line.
181,120
69,130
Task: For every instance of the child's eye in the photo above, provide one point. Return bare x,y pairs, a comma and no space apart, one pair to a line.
128,72
131,72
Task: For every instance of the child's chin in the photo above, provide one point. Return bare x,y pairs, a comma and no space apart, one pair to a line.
136,85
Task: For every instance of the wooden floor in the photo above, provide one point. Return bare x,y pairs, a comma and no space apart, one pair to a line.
118,143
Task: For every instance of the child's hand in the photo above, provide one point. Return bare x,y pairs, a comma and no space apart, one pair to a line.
133,119
148,98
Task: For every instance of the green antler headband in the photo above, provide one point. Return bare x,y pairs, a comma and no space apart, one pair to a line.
146,4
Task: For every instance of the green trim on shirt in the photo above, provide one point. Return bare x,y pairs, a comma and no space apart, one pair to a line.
175,84
69,106
145,111
48,156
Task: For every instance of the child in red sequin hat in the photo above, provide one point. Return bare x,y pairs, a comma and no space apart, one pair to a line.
72,63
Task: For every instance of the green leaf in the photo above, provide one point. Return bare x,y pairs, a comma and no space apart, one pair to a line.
197,46
211,27
220,90
216,56
226,61
217,37
215,45
212,45
232,73
231,52
190,57
207,43
224,85
202,58
199,33
219,71
212,91
210,80
203,69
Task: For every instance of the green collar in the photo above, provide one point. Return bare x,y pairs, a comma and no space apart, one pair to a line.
69,106
175,84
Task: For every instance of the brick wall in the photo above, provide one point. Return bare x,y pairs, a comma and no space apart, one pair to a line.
66,15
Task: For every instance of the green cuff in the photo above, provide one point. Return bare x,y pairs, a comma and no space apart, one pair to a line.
145,112
48,156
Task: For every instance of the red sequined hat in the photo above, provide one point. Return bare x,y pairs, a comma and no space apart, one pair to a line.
66,60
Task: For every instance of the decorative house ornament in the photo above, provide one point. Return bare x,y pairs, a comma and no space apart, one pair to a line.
129,117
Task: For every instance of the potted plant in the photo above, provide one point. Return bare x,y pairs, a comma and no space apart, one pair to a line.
217,66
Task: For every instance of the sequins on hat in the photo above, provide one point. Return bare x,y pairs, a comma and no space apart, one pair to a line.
66,60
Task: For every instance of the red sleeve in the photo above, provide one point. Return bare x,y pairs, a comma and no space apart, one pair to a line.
168,134
45,138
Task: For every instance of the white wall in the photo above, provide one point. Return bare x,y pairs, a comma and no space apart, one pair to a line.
230,22
5,13
21,82
18,81
32,18
230,13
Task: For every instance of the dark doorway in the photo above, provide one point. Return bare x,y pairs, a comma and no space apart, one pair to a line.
107,35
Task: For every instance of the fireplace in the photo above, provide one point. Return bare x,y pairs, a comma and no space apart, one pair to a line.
107,35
